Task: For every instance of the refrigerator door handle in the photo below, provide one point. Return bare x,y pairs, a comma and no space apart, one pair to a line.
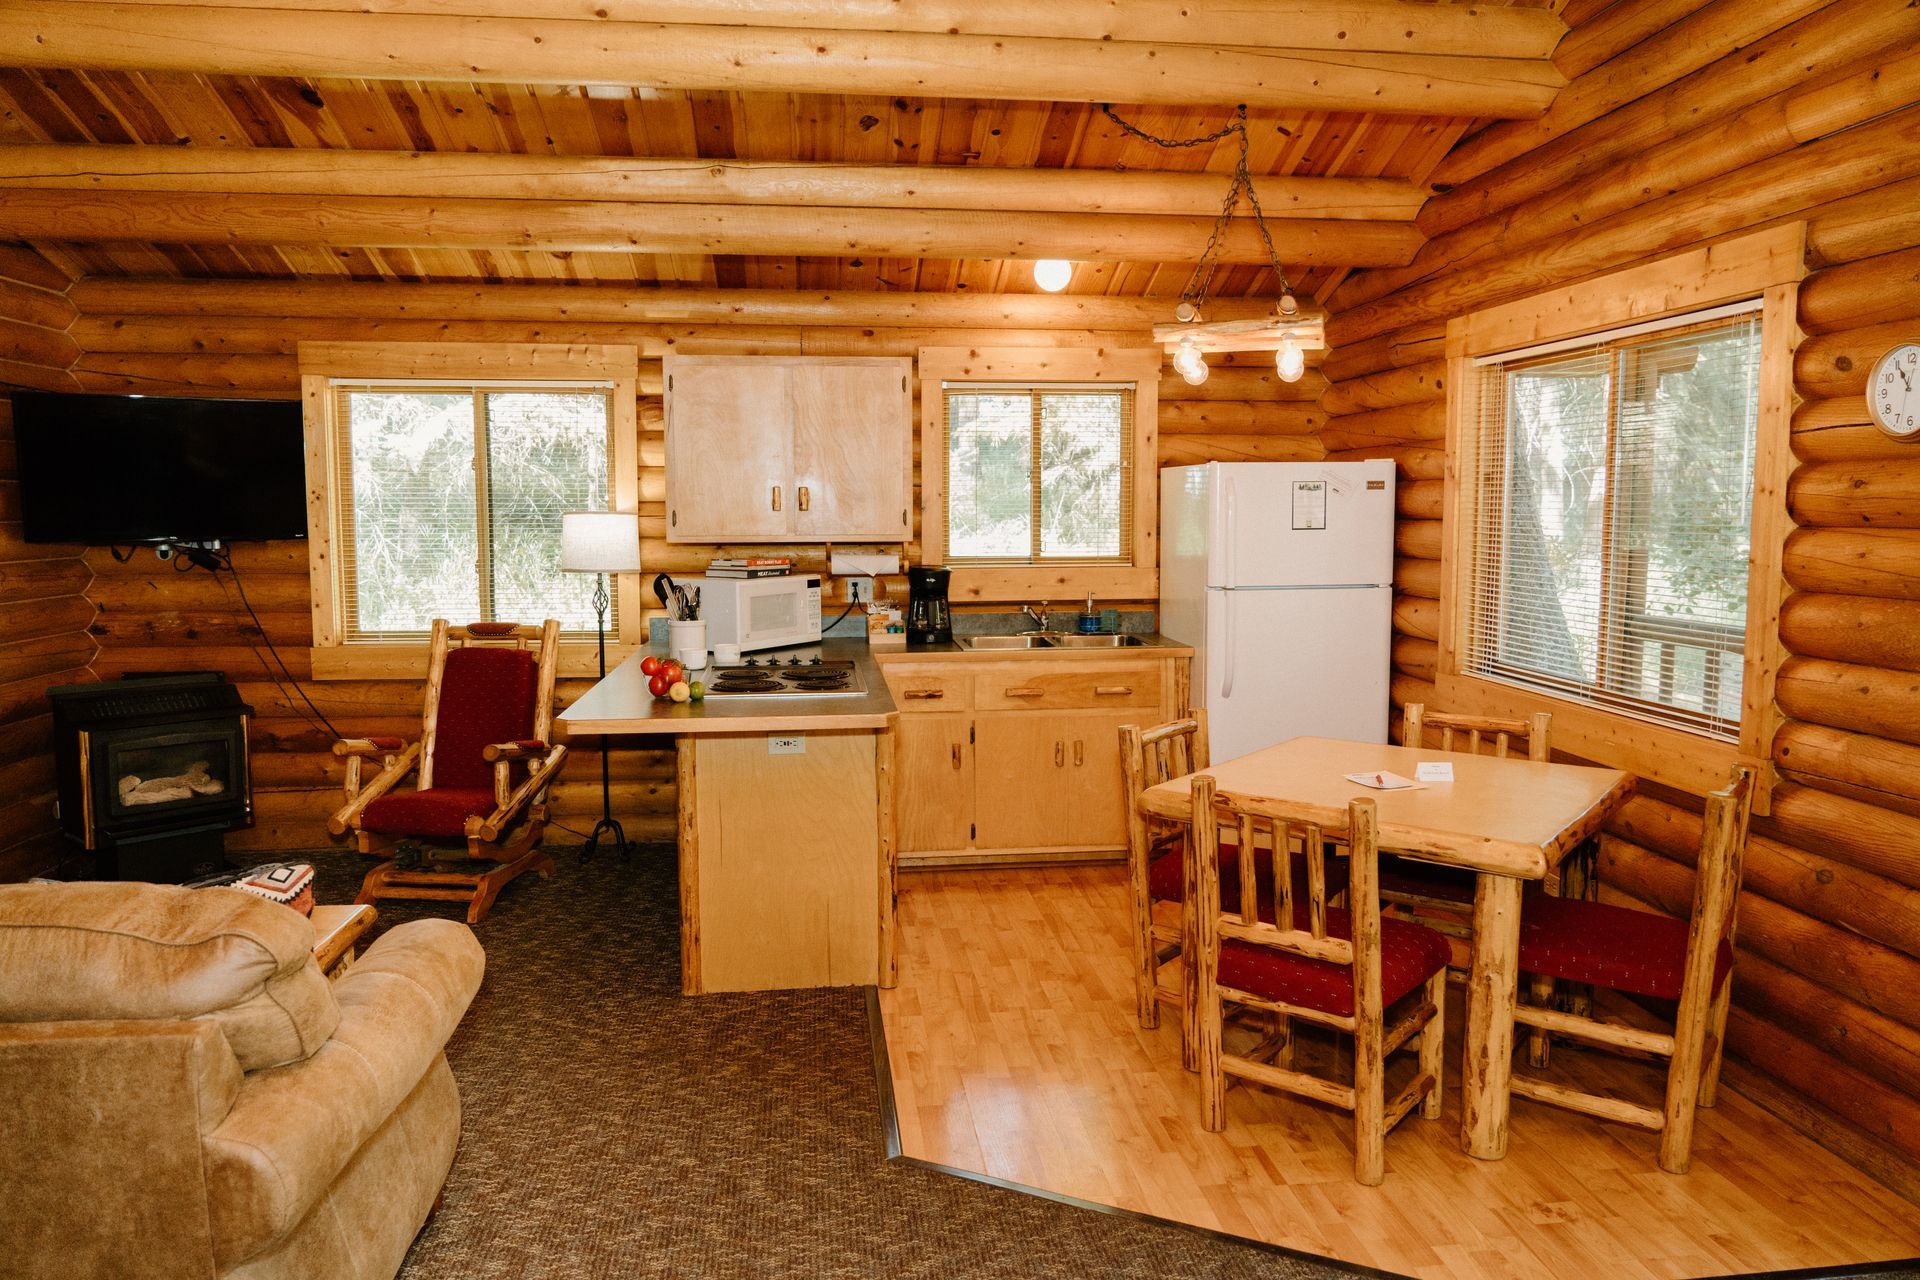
1230,559
1226,656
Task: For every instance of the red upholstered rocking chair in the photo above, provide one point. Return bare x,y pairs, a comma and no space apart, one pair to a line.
484,767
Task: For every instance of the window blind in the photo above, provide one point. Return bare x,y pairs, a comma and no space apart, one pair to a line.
1615,496
450,498
1039,473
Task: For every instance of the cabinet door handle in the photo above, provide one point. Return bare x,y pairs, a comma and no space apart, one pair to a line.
1079,752
925,693
776,497
1026,693
1059,754
1113,690
956,755
805,498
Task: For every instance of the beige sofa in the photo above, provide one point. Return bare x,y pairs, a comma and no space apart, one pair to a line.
183,1094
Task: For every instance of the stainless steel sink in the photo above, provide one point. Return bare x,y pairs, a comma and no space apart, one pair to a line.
1095,642
1008,642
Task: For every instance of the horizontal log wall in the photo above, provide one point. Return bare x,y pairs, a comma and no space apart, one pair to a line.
152,617
43,612
1791,117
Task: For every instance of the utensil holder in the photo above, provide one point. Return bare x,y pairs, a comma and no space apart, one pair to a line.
687,642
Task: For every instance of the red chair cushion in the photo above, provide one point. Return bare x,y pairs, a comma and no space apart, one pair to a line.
440,813
1410,954
1403,875
1166,878
486,696
1608,946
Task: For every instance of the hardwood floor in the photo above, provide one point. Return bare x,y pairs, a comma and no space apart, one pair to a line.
1016,1053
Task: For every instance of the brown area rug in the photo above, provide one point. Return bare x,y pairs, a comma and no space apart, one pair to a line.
613,1128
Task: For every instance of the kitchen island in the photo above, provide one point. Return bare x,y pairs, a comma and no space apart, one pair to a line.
786,826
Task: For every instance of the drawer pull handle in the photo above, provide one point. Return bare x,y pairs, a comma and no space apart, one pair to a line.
776,497
1026,693
926,693
1079,752
806,499
956,755
1113,690
1059,754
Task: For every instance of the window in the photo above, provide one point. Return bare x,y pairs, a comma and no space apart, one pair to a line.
1038,474
437,474
1038,479
1617,468
1615,504
453,509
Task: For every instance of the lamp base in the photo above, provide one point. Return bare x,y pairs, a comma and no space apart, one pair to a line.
617,839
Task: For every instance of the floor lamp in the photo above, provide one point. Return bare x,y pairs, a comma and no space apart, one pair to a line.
601,542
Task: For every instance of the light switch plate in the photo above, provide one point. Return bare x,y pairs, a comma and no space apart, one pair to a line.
787,744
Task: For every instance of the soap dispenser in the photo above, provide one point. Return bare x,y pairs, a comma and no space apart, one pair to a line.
1090,620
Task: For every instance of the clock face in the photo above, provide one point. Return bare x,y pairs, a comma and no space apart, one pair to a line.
1893,391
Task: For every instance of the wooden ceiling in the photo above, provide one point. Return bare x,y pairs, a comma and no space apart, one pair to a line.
443,201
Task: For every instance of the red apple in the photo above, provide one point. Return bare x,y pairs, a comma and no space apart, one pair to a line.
658,684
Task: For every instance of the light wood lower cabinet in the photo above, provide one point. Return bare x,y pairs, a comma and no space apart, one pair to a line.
1003,760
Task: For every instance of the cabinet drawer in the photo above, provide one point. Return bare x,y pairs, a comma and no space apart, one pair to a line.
1082,685
920,691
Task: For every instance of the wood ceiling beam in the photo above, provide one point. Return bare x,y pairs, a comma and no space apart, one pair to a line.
244,40
433,175
610,304
380,222
1363,26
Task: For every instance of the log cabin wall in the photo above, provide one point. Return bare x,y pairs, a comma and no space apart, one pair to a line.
239,338
1684,124
44,615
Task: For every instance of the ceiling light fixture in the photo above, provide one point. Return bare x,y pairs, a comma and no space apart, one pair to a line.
1052,274
1289,332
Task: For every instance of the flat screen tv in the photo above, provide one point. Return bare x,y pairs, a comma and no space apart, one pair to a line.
106,470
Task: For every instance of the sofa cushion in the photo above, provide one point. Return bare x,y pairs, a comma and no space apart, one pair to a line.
291,1130
1409,955
84,951
440,813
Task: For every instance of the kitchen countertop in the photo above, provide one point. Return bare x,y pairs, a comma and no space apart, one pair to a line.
621,704
1154,645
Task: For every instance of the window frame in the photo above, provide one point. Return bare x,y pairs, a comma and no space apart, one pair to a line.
1029,367
1767,265
521,365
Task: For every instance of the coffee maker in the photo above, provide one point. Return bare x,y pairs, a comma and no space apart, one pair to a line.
929,618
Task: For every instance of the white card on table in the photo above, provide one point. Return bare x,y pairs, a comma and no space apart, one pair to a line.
1434,771
1383,781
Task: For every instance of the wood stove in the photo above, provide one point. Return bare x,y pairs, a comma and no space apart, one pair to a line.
153,772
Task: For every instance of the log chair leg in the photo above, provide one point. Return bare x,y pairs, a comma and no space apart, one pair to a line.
1190,1013
1716,1046
374,881
1539,1043
1369,1105
1146,964
1433,1047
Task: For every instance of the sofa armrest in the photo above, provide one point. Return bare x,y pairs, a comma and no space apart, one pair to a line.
293,1128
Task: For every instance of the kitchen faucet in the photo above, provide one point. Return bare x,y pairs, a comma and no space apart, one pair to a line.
1040,618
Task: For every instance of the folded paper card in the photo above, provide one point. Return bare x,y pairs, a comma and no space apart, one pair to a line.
1384,781
1434,771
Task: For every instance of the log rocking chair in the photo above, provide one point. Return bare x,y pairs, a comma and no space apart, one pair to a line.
484,767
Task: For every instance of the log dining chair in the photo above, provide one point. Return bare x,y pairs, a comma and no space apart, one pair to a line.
1687,961
1340,968
1158,871
484,766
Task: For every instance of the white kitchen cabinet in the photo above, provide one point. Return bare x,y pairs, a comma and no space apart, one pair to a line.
789,448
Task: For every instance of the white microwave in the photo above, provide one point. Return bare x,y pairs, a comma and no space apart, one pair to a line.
761,613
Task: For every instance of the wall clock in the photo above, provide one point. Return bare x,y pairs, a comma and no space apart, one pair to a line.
1893,392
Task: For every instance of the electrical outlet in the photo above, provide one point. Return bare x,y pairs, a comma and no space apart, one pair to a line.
859,589
787,744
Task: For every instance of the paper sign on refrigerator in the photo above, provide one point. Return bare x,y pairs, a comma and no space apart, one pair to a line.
1309,504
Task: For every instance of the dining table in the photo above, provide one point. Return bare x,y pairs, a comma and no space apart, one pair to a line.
1508,820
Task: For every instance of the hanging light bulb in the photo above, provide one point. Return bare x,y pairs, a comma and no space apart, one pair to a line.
1291,359
1052,274
1189,363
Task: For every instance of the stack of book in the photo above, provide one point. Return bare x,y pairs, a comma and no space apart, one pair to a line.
749,567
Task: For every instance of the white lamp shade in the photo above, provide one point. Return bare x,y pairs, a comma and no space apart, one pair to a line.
600,542
1052,274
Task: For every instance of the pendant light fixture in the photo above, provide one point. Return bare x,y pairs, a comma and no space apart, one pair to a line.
1289,332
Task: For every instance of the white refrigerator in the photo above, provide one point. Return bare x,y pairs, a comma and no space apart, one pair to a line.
1280,575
